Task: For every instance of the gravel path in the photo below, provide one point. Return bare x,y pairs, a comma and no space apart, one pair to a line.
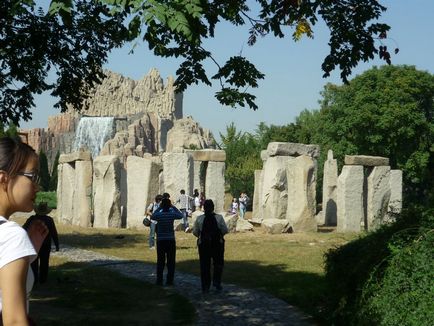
233,306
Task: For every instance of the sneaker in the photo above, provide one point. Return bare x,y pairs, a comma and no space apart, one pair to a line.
152,248
187,229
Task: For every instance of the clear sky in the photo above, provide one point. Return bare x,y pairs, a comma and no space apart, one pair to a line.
293,75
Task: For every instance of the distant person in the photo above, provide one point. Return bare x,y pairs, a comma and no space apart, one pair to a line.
184,206
166,245
233,209
202,199
243,201
41,263
150,210
196,197
166,195
210,229
18,187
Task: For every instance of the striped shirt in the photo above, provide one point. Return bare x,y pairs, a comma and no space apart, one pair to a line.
184,201
165,222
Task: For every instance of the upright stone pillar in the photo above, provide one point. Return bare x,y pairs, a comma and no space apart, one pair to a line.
378,196
395,203
329,191
274,199
350,199
82,205
178,171
257,214
142,181
65,192
106,187
300,174
215,184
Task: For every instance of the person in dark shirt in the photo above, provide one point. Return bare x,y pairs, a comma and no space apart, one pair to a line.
166,245
41,263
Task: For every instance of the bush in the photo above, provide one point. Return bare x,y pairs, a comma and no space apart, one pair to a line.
361,274
50,197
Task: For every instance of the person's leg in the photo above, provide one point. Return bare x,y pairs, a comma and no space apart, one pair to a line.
185,218
35,269
218,262
152,235
205,267
171,258
242,212
44,258
161,257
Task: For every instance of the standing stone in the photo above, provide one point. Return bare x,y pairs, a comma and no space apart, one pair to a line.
274,197
350,199
197,177
65,192
257,214
395,203
142,181
215,184
82,203
177,174
106,188
329,191
378,196
301,207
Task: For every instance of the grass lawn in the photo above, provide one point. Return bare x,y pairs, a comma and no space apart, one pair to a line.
289,266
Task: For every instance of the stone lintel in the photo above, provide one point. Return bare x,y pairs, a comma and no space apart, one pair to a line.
292,149
366,160
208,155
75,156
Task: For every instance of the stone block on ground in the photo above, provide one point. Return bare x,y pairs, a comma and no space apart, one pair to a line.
256,221
275,226
243,226
231,221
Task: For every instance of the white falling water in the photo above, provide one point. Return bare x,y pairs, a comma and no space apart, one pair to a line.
92,133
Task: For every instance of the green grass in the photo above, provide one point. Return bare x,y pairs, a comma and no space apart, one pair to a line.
50,197
289,266
76,294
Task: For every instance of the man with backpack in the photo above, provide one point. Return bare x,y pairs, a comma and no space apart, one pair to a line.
210,229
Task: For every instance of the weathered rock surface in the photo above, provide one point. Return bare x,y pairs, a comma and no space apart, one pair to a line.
215,155
75,156
300,213
366,160
395,203
215,184
177,174
142,181
329,191
243,226
257,207
378,196
292,149
350,199
231,221
186,133
107,196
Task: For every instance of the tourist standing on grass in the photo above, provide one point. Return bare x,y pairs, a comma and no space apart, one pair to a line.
210,229
184,206
196,197
41,263
151,209
243,200
19,167
166,245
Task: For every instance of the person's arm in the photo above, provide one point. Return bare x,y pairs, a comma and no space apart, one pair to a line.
54,234
196,227
177,213
13,278
222,224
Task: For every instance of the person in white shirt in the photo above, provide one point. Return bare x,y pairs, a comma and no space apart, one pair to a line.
18,187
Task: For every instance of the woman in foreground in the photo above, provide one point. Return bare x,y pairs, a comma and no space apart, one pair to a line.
18,188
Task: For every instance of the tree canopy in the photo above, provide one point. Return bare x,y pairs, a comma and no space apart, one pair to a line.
75,36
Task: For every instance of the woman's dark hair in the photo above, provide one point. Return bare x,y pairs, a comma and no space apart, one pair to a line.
14,155
208,206
165,203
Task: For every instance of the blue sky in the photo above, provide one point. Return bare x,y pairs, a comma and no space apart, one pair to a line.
293,75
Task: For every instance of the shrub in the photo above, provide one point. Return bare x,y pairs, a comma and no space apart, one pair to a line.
50,197
360,274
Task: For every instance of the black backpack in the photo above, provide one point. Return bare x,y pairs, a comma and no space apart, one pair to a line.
210,231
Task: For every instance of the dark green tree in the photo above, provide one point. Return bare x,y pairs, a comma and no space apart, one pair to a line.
53,180
75,37
44,174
